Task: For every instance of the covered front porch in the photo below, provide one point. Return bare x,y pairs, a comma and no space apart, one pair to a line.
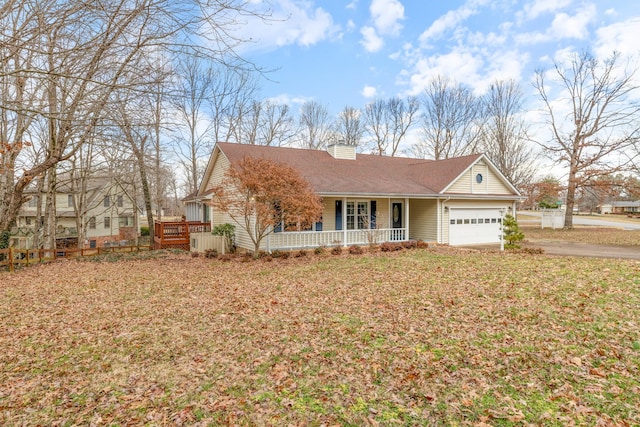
348,221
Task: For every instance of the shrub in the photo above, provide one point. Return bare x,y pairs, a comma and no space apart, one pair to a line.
512,233
391,247
210,253
410,244
319,250
301,253
336,250
195,254
226,258
421,244
229,232
356,250
144,231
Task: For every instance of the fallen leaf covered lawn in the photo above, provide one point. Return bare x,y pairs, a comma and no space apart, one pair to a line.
421,337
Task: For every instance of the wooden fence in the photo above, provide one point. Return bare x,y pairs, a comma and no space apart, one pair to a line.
12,257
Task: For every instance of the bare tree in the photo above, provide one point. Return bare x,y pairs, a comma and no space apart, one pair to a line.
349,126
450,122
594,124
265,123
62,62
315,125
387,122
505,137
193,127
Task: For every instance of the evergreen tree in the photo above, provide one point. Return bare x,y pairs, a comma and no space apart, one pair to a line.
512,233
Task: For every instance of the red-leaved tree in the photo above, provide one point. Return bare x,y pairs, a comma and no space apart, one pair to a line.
261,194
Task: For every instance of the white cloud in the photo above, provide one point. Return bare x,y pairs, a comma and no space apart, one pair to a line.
369,91
621,36
386,15
563,26
451,20
290,22
536,8
371,41
459,65
566,26
285,98
353,5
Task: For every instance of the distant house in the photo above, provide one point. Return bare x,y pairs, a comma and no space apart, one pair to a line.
458,201
106,213
620,207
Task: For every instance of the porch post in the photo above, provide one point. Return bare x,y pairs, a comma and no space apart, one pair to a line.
406,218
344,222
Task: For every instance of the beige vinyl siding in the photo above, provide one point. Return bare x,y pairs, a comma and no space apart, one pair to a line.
342,151
481,188
219,168
423,222
495,185
478,204
462,185
329,213
444,225
491,182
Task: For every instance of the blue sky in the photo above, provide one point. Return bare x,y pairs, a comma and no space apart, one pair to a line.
343,53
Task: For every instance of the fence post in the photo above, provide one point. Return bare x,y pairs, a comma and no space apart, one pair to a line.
11,259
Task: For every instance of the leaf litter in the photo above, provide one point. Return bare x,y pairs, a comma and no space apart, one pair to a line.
424,337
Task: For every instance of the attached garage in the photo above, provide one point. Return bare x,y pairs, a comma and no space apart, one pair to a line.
474,226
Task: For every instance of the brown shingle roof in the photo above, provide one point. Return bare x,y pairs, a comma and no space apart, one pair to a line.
367,174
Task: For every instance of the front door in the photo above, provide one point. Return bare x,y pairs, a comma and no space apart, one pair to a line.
396,215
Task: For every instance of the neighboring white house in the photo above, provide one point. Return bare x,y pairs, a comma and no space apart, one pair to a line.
106,213
458,201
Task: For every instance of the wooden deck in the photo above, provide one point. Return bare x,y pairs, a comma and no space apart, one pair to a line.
176,234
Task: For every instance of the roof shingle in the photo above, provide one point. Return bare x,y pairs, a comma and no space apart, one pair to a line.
367,174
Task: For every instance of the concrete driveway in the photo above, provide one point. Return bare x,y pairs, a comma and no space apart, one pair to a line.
585,250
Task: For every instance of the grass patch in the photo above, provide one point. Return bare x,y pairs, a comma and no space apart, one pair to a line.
424,337
591,235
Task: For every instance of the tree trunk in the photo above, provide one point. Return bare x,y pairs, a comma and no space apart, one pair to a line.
570,202
50,217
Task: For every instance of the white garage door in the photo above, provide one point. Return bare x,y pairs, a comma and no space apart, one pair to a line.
474,226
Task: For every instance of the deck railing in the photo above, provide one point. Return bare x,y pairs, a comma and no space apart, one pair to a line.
311,239
175,234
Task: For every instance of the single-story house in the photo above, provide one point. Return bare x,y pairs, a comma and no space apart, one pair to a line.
457,201
620,207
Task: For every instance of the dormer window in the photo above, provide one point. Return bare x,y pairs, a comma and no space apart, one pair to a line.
479,178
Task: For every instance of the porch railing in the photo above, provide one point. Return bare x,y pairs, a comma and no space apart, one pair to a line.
311,239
